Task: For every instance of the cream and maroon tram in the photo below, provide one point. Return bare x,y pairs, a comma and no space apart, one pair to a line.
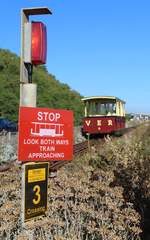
103,115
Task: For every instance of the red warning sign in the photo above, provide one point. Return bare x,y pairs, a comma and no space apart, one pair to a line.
45,134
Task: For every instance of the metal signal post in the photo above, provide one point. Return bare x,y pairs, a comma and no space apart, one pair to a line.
33,41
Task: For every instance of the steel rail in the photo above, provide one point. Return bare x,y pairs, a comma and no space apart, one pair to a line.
78,149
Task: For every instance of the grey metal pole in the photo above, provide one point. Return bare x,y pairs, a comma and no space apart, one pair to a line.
28,90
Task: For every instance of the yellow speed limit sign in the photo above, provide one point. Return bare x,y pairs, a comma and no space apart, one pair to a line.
35,176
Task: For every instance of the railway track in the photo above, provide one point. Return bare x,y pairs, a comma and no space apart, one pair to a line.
6,166
78,149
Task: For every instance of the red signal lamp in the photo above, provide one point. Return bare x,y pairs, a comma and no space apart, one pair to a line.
35,41
39,43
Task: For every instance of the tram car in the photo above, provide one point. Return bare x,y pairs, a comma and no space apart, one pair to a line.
103,115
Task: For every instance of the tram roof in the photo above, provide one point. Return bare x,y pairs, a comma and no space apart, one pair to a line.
102,98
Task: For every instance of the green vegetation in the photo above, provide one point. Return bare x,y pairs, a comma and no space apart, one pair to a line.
128,159
128,116
51,92
101,195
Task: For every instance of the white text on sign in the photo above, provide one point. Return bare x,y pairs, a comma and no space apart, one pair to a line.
48,116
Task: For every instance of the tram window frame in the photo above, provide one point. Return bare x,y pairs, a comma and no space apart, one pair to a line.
100,108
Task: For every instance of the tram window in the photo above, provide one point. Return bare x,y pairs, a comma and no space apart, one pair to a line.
114,108
108,108
89,108
111,108
96,108
86,109
103,108
100,108
92,108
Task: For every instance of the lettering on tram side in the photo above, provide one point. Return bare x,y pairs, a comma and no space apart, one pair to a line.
99,122
45,134
110,122
88,122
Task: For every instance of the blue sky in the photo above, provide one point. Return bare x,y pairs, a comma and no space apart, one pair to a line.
97,47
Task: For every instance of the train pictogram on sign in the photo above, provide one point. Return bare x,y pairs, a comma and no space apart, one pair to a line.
47,129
